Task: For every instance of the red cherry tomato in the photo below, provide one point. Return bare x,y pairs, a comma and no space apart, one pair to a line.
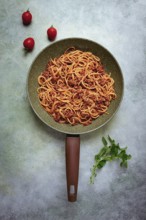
26,17
29,43
52,32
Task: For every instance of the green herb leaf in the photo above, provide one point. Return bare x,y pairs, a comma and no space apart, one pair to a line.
97,157
101,164
104,141
110,140
111,151
114,150
124,163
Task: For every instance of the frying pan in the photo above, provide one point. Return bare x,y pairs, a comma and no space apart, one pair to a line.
72,132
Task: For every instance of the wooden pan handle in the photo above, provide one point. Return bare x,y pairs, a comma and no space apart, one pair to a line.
72,165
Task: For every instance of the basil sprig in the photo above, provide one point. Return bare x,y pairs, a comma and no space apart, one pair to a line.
109,152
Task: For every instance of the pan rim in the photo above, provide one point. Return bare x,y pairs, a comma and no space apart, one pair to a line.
53,127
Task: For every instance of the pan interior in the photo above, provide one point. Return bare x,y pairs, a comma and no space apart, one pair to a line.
55,50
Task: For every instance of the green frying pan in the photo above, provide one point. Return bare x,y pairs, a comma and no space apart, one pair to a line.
72,138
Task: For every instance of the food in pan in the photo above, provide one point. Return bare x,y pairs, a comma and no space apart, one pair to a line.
75,88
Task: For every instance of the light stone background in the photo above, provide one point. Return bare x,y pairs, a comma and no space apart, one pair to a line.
32,156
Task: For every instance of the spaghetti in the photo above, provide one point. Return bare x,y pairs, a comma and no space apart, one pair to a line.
75,88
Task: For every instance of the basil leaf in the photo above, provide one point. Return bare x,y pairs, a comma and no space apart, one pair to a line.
110,140
101,164
104,141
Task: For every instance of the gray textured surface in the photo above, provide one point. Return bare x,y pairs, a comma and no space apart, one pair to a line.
32,162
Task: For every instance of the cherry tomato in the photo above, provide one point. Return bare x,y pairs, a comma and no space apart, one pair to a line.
26,17
29,43
52,32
